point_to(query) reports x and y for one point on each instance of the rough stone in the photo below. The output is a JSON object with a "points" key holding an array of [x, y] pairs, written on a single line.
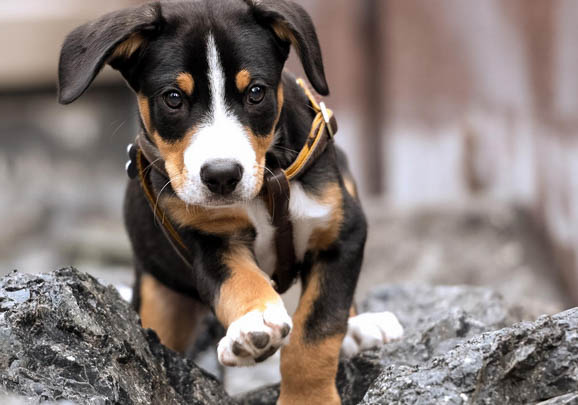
{"points": [[64, 336], [435, 319], [529, 362]]}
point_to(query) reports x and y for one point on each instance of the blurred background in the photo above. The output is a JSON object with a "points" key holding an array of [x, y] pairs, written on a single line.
{"points": [[459, 118]]}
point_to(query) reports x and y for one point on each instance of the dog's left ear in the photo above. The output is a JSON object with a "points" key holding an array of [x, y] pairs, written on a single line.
{"points": [[291, 24], [114, 39]]}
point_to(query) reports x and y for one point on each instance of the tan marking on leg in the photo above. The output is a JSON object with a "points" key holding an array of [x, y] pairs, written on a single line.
{"points": [[171, 315], [242, 80], [350, 186], [128, 47], [145, 112], [323, 238], [247, 289], [352, 311], [186, 83], [219, 221], [308, 369]]}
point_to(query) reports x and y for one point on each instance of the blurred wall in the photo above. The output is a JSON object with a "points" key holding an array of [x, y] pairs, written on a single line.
{"points": [[482, 98], [437, 101]]}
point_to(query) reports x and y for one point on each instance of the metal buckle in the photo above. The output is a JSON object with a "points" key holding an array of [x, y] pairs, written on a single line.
{"points": [[326, 118], [131, 167]]}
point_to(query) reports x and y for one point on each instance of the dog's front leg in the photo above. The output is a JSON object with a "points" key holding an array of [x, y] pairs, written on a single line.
{"points": [[309, 361], [253, 313]]}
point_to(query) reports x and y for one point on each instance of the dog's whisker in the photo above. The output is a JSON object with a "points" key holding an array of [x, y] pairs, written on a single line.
{"points": [[159, 196], [286, 149], [150, 165], [118, 128]]}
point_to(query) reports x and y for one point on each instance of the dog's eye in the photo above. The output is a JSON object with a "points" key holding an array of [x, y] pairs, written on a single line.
{"points": [[256, 94], [173, 99]]}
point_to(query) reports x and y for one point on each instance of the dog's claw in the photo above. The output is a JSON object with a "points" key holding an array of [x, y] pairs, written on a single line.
{"points": [[285, 330]]}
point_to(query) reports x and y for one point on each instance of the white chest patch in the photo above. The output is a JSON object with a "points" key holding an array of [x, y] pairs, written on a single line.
{"points": [[307, 215], [265, 241]]}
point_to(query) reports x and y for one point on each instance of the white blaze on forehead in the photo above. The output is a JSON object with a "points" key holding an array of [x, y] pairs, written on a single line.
{"points": [[219, 137], [216, 79]]}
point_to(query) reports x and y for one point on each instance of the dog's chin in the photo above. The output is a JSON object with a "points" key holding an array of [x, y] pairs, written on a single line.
{"points": [[202, 197], [217, 201], [221, 202]]}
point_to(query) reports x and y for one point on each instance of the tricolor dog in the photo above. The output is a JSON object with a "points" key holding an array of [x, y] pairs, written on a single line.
{"points": [[230, 188]]}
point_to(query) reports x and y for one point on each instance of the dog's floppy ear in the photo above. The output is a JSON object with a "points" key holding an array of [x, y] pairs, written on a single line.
{"points": [[292, 24], [113, 38]]}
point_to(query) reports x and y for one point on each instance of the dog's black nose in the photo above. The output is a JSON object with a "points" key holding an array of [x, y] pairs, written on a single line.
{"points": [[222, 176]]}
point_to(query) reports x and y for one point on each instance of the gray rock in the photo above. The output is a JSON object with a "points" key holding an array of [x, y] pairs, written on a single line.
{"points": [[527, 363], [64, 336], [436, 319], [568, 399]]}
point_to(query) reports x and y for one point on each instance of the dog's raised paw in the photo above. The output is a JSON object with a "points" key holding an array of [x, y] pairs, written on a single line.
{"points": [[370, 330], [255, 337]]}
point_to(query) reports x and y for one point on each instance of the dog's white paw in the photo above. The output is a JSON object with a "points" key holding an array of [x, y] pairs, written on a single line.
{"points": [[255, 337], [370, 330]]}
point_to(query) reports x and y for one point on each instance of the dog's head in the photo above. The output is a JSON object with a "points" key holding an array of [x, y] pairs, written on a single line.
{"points": [[207, 75]]}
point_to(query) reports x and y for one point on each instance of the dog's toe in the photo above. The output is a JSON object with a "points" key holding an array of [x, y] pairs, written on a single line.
{"points": [[370, 330], [255, 337]]}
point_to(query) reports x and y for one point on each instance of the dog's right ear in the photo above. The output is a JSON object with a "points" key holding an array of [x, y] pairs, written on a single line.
{"points": [[113, 38]]}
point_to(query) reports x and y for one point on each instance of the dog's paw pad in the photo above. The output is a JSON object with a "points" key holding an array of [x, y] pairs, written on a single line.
{"points": [[370, 330], [259, 339], [255, 337]]}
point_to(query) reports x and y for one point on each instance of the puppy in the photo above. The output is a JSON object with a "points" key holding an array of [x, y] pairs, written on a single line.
{"points": [[219, 117]]}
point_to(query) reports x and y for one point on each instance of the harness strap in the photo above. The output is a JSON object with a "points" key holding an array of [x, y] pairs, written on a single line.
{"points": [[143, 167], [277, 193], [323, 130], [151, 153]]}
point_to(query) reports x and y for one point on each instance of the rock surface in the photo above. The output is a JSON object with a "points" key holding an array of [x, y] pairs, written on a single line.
{"points": [[63, 336], [435, 319], [531, 362]]}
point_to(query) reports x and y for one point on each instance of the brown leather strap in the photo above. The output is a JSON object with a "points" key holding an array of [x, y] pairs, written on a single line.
{"points": [[323, 129], [151, 153], [171, 235], [167, 227], [278, 195]]}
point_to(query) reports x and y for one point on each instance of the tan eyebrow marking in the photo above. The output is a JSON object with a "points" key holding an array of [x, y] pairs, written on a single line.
{"points": [[242, 80], [186, 83]]}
